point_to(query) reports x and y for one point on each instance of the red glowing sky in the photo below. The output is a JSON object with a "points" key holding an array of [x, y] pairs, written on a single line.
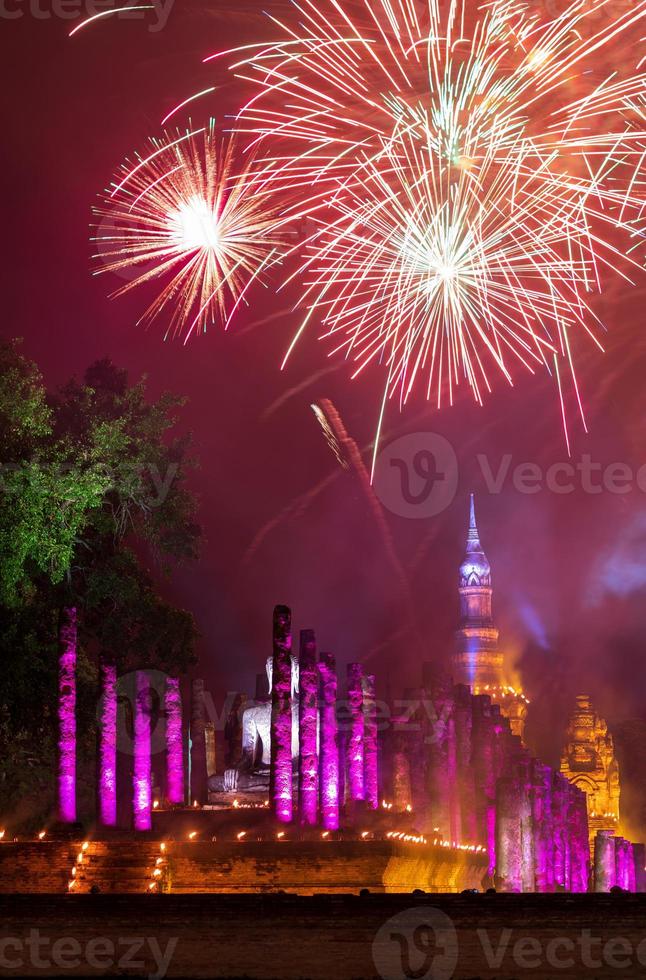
{"points": [[569, 569]]}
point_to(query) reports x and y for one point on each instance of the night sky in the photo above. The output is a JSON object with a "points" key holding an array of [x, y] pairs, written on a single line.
{"points": [[569, 569]]}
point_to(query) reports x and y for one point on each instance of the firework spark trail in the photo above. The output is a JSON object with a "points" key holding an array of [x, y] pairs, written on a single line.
{"points": [[183, 215], [470, 175]]}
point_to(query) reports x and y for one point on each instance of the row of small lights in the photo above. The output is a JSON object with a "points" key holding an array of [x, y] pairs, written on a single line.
{"points": [[40, 836], [609, 814], [502, 692], [77, 863], [157, 870], [367, 835]]}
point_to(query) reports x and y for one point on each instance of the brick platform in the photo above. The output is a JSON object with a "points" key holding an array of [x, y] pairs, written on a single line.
{"points": [[274, 937], [229, 867]]}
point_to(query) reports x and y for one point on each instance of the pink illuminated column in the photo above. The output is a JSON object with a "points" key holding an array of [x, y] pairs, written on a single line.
{"points": [[141, 780], [308, 721], [329, 749], [67, 636], [281, 716], [174, 741], [605, 874], [354, 741], [370, 764], [198, 739], [108, 745]]}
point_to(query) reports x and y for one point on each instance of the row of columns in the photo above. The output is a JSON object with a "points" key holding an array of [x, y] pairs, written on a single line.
{"points": [[319, 762], [455, 760], [618, 863]]}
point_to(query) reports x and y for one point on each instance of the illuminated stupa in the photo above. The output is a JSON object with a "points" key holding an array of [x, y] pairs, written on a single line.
{"points": [[478, 661], [589, 761]]}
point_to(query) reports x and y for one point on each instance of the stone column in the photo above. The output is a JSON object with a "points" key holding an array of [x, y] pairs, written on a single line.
{"points": [[639, 859], [329, 749], [401, 780], [543, 829], [107, 749], [528, 851], [67, 639], [441, 756], [354, 743], [308, 723], [370, 750], [581, 861], [174, 742], [281, 788], [466, 790], [559, 823], [198, 740], [485, 776], [605, 873], [509, 853], [630, 865], [141, 780], [620, 863]]}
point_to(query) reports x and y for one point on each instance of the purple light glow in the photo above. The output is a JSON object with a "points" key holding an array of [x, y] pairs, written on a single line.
{"points": [[67, 635], [281, 716], [108, 746], [308, 722], [329, 751], [174, 744], [354, 760], [142, 790], [370, 757]]}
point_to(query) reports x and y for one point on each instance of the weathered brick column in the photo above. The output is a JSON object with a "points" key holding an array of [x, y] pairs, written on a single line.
{"points": [[174, 741], [639, 857], [329, 748], [67, 640], [580, 876], [509, 853], [559, 824], [484, 759], [527, 832], [542, 819], [466, 790], [107, 747], [198, 740], [370, 750], [401, 781], [605, 873], [142, 774], [441, 754], [281, 788], [307, 732], [355, 739]]}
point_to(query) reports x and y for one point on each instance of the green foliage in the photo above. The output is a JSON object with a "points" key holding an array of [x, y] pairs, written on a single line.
{"points": [[95, 512]]}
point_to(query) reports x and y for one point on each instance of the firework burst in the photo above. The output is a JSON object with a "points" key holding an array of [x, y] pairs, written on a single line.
{"points": [[183, 215], [470, 175]]}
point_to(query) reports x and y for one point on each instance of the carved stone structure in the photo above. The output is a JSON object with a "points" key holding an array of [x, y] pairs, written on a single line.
{"points": [[478, 661], [589, 762]]}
